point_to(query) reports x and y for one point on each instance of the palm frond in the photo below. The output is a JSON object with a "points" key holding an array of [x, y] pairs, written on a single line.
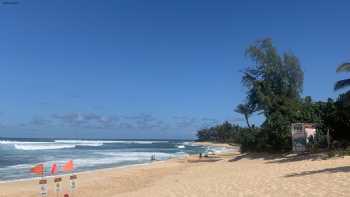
{"points": [[342, 84], [345, 67], [345, 99]]}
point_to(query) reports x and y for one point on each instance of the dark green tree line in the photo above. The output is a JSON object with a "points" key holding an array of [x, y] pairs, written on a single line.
{"points": [[274, 84]]}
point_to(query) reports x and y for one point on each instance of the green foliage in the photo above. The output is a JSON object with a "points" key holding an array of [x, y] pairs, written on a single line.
{"points": [[342, 84], [319, 141], [272, 79], [246, 110], [274, 83], [335, 116], [345, 67], [248, 139], [225, 133]]}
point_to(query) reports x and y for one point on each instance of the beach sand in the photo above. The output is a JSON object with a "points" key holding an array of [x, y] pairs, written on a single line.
{"points": [[230, 174]]}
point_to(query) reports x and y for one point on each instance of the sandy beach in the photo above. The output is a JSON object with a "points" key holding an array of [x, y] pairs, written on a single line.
{"points": [[229, 174]]}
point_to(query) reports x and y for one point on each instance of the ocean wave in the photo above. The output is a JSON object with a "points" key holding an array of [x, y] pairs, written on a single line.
{"points": [[191, 144], [217, 150], [105, 158], [135, 142], [41, 147], [64, 144], [119, 157], [110, 141], [102, 160], [25, 145], [9, 142], [80, 141], [181, 146]]}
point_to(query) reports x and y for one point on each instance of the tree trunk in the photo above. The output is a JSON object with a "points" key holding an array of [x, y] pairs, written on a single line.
{"points": [[328, 139], [247, 120]]}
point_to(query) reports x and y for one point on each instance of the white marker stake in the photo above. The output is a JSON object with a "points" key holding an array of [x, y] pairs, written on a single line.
{"points": [[58, 185], [73, 184], [43, 187]]}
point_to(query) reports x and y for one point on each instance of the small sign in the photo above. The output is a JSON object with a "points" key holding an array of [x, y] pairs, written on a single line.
{"points": [[73, 184], [73, 177], [58, 187], [58, 184], [41, 182], [43, 188]]}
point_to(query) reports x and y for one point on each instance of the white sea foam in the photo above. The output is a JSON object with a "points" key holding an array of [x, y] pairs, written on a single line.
{"points": [[81, 141], [115, 158], [191, 144], [84, 160], [138, 142], [181, 146], [42, 147], [63, 144], [109, 141], [106, 158], [25, 145], [217, 149], [6, 142]]}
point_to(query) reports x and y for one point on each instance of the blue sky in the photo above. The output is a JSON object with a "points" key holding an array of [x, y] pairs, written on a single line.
{"points": [[151, 68]]}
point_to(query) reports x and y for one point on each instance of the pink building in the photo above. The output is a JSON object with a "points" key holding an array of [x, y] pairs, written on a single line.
{"points": [[300, 135]]}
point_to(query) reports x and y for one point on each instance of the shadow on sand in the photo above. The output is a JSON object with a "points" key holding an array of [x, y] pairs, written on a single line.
{"points": [[327, 170], [281, 158], [286, 158], [205, 160], [264, 156]]}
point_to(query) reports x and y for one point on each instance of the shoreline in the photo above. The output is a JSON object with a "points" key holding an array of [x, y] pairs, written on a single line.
{"points": [[208, 144], [81, 172], [228, 174], [216, 144]]}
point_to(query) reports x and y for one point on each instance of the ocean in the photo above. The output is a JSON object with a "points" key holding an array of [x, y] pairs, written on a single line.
{"points": [[18, 156]]}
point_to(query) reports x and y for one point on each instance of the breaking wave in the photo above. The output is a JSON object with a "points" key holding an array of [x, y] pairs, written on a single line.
{"points": [[41, 147], [64, 144], [19, 155]]}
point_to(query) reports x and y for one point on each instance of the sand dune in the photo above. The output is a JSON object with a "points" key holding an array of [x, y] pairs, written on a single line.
{"points": [[229, 175]]}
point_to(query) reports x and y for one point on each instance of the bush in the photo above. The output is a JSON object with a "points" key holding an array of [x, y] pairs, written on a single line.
{"points": [[248, 139]]}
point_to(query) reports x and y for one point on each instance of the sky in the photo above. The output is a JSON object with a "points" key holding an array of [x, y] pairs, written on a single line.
{"points": [[151, 68]]}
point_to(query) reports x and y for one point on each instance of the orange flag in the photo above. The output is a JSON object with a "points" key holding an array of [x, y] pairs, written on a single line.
{"points": [[53, 169], [68, 167], [38, 169]]}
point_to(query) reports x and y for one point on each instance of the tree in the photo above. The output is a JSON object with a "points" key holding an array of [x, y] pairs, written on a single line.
{"points": [[272, 78], [225, 132], [274, 83], [343, 83], [246, 111]]}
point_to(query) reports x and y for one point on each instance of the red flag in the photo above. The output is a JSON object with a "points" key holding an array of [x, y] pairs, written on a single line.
{"points": [[68, 167], [53, 169], [38, 169]]}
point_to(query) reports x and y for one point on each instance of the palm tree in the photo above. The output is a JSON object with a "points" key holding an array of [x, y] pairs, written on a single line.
{"points": [[343, 83], [246, 111]]}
